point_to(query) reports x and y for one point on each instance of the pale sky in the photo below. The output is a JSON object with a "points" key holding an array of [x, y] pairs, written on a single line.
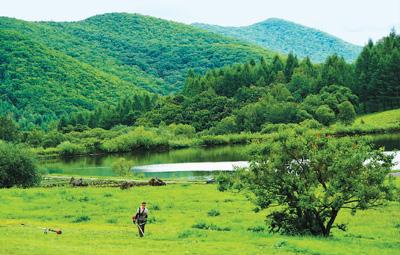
{"points": [[352, 20]]}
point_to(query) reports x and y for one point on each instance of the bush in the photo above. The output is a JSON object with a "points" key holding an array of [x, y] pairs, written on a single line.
{"points": [[311, 123], [82, 218], [325, 115], [347, 114], [213, 213], [68, 149], [202, 225], [139, 138], [122, 167], [191, 233], [17, 167]]}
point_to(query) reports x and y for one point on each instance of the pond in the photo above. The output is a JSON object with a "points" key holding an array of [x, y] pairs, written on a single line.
{"points": [[101, 165], [185, 163]]}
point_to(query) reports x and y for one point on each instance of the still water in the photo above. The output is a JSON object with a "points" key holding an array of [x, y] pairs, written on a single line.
{"points": [[102, 165], [186, 163]]}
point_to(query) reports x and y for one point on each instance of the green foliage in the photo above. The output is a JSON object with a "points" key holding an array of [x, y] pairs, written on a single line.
{"points": [[377, 84], [203, 225], [312, 177], [69, 149], [41, 84], [82, 218], [285, 37], [138, 138], [8, 129], [49, 69], [122, 167], [336, 71], [213, 213], [325, 115], [17, 167], [347, 114]]}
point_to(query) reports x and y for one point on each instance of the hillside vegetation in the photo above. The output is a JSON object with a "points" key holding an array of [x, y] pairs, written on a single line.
{"points": [[390, 117], [285, 37], [48, 69]]}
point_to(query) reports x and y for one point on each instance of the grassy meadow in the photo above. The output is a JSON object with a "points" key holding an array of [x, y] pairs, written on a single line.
{"points": [[98, 221], [380, 118]]}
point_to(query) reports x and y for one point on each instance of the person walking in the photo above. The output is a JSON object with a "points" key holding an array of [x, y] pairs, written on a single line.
{"points": [[140, 218]]}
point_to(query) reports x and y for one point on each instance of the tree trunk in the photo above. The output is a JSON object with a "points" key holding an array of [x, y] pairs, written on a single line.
{"points": [[334, 213]]}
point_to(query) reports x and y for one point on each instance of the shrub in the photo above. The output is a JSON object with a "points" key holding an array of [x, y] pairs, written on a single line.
{"points": [[122, 167], [82, 218], [191, 233], [311, 123], [347, 114], [213, 213], [68, 149], [325, 115], [17, 167], [202, 225], [139, 138]]}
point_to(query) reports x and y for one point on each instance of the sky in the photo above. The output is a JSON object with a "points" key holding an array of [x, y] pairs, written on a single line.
{"points": [[355, 21]]}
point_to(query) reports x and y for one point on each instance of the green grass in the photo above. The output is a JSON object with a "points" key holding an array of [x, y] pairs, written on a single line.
{"points": [[98, 221], [390, 117], [387, 122]]}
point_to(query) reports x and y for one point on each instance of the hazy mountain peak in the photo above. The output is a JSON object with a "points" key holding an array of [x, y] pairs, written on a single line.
{"points": [[287, 36]]}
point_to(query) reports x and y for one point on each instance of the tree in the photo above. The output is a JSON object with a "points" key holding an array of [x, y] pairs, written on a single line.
{"points": [[335, 70], [325, 115], [377, 74], [8, 129], [291, 64], [17, 167], [312, 177], [122, 167], [347, 114]]}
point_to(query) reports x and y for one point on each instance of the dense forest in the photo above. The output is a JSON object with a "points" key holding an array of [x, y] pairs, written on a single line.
{"points": [[285, 37], [50, 94], [254, 97], [48, 69], [250, 96]]}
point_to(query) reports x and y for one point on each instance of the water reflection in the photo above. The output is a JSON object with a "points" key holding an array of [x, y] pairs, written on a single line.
{"points": [[102, 165]]}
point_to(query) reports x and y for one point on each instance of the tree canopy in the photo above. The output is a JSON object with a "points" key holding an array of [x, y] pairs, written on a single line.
{"points": [[311, 177]]}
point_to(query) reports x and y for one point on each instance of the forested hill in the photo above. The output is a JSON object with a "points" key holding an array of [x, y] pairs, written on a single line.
{"points": [[285, 37], [48, 69]]}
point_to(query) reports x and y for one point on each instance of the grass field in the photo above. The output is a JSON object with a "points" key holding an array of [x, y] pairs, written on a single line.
{"points": [[380, 119], [98, 221]]}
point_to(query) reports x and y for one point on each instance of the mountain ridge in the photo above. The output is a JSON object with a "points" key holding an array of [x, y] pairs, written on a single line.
{"points": [[286, 36], [118, 54]]}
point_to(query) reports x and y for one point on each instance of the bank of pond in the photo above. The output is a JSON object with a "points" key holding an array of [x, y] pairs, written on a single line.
{"points": [[191, 163]]}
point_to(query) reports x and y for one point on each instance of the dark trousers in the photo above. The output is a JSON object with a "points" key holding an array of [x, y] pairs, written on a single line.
{"points": [[141, 228]]}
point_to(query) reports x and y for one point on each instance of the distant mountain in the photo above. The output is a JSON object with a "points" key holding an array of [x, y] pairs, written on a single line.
{"points": [[51, 68], [284, 36]]}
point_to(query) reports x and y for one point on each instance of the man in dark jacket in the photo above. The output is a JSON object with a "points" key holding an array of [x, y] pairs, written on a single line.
{"points": [[140, 218]]}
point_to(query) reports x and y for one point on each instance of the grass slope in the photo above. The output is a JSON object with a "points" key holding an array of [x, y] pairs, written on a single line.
{"points": [[391, 117], [97, 221], [284, 36]]}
